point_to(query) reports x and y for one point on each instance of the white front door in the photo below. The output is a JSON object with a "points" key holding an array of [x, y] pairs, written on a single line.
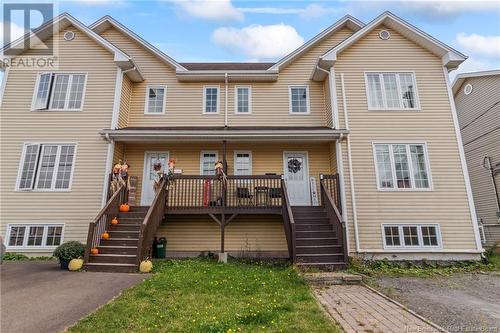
{"points": [[150, 158], [297, 178]]}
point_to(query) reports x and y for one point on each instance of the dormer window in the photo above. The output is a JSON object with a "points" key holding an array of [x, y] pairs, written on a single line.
{"points": [[391, 91], [59, 92]]}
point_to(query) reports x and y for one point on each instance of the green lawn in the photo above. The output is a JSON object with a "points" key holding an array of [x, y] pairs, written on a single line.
{"points": [[201, 295]]}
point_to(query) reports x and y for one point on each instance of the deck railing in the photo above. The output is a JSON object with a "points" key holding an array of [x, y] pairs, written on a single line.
{"points": [[332, 185], [152, 221], [289, 222], [103, 219], [209, 192], [333, 212]]}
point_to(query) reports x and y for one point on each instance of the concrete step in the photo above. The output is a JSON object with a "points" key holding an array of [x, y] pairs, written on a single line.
{"points": [[325, 266], [320, 258], [329, 278], [111, 268], [118, 250], [113, 258]]}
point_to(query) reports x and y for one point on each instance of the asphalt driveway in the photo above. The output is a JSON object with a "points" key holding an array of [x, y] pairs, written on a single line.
{"points": [[40, 297]]}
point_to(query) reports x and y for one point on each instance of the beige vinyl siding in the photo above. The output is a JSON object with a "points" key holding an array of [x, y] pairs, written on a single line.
{"points": [[79, 206], [478, 114], [270, 100], [126, 95], [246, 233], [266, 158], [447, 203], [328, 104], [119, 152]]}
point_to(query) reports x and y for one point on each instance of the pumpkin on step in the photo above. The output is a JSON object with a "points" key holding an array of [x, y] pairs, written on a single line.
{"points": [[124, 208], [75, 264], [114, 221], [105, 235], [145, 266], [94, 251]]}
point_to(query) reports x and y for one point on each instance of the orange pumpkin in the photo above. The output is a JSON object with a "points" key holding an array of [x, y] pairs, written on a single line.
{"points": [[105, 235], [124, 208], [114, 221], [94, 251]]}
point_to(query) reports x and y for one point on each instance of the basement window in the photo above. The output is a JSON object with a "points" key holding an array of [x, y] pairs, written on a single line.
{"points": [[411, 236], [59, 92], [34, 235]]}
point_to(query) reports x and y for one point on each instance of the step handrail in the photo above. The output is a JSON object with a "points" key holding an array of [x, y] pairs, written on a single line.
{"points": [[289, 222], [152, 221], [334, 216], [102, 221]]}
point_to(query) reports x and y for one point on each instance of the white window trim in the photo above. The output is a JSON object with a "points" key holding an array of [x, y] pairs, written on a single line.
{"points": [[249, 152], [236, 100], [410, 167], [146, 102], [205, 99], [49, 109], [367, 91], [308, 100], [410, 248], [201, 158], [25, 238], [34, 184]]}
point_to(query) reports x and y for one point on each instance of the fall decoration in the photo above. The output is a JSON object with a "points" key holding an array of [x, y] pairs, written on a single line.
{"points": [[114, 221], [146, 266], [105, 235], [75, 264], [124, 208], [94, 251]]}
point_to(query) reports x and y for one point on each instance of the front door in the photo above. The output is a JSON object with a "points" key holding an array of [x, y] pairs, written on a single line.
{"points": [[297, 178], [150, 158]]}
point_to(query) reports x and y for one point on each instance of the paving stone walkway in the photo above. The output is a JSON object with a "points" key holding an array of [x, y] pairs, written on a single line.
{"points": [[359, 309]]}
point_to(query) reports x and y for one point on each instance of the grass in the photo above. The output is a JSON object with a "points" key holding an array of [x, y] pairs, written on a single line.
{"points": [[201, 295], [424, 269]]}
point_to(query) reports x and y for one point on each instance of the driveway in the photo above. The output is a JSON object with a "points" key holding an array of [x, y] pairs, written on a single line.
{"points": [[40, 297]]}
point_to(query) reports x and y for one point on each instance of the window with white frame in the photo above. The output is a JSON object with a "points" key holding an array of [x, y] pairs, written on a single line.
{"points": [[242, 163], [411, 236], [387, 91], [243, 100], [46, 167], [36, 235], [299, 99], [155, 100], [211, 100], [402, 166], [207, 163], [59, 92]]}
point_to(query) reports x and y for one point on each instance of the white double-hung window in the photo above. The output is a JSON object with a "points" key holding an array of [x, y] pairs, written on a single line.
{"points": [[34, 235], [299, 99], [391, 91], [46, 167], [155, 99], [242, 100], [411, 236], [402, 166], [211, 99], [59, 92]]}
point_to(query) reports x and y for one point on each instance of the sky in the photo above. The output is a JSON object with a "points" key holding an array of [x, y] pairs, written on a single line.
{"points": [[231, 30]]}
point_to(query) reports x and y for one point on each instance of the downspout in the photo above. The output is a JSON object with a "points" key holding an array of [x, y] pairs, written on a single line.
{"points": [[226, 78], [351, 174]]}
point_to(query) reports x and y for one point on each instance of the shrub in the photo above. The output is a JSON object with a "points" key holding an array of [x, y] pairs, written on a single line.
{"points": [[69, 250], [12, 256]]}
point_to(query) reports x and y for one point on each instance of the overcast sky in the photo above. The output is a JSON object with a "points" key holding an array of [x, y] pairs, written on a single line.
{"points": [[225, 30]]}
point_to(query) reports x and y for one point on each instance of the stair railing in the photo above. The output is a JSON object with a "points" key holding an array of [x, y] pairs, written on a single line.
{"points": [[152, 221], [289, 222], [103, 219], [333, 213]]}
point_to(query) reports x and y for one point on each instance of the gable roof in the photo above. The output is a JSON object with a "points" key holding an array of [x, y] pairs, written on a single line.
{"points": [[226, 66], [451, 58], [460, 78], [346, 21], [107, 21]]}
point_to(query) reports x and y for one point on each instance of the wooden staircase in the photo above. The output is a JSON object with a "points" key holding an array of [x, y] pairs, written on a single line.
{"points": [[119, 252], [317, 243]]}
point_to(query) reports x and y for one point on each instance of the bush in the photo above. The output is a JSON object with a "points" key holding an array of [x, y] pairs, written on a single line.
{"points": [[69, 250], [12, 256]]}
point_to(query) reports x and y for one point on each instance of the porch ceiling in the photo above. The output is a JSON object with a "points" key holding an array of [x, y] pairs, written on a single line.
{"points": [[204, 134]]}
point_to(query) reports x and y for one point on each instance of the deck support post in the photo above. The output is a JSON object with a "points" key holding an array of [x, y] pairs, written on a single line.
{"points": [[222, 254]]}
